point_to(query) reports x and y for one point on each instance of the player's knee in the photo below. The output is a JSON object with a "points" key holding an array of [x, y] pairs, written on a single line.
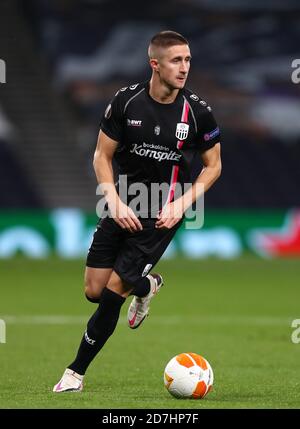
{"points": [[92, 298], [92, 291]]}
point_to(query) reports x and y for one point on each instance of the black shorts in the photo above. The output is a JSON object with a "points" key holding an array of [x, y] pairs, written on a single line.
{"points": [[131, 255]]}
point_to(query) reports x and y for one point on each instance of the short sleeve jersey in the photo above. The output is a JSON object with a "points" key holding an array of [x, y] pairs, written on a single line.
{"points": [[158, 143]]}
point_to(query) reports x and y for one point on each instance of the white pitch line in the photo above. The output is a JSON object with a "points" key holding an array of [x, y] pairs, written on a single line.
{"points": [[44, 320], [160, 320]]}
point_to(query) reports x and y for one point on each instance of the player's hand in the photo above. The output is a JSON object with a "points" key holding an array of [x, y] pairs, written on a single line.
{"points": [[125, 217], [170, 215]]}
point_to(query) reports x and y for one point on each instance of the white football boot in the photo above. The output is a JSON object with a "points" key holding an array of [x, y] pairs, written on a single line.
{"points": [[139, 307], [70, 382]]}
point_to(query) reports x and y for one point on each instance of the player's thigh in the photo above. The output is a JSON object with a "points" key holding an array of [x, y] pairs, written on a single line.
{"points": [[95, 280], [105, 245], [101, 256], [141, 252]]}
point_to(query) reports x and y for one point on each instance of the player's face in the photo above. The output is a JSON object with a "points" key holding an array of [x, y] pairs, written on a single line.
{"points": [[174, 66]]}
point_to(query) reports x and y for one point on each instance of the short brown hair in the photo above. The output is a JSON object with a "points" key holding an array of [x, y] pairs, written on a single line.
{"points": [[165, 39]]}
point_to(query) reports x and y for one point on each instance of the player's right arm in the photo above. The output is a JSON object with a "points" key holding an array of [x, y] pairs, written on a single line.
{"points": [[120, 212]]}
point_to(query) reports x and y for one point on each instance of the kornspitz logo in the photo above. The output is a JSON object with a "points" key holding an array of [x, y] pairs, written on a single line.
{"points": [[2, 71], [150, 151], [2, 331]]}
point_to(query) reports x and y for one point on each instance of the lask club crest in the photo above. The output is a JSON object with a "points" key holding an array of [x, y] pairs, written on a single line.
{"points": [[182, 131]]}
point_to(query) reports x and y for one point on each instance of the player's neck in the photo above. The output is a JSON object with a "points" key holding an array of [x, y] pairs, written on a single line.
{"points": [[161, 93]]}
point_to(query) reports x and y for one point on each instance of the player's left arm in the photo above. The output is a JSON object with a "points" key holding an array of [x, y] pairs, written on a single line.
{"points": [[212, 166]]}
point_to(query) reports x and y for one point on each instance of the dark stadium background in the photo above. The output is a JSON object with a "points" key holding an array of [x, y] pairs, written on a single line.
{"points": [[64, 60]]}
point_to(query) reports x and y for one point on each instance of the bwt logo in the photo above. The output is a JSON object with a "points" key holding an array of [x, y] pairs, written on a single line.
{"points": [[2, 331], [2, 71]]}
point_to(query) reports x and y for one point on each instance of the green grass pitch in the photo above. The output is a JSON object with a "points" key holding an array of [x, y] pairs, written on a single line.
{"points": [[237, 314]]}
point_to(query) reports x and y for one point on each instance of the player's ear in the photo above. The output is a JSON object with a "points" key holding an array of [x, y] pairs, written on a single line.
{"points": [[154, 64]]}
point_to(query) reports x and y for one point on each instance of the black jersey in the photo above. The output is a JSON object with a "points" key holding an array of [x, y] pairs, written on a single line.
{"points": [[158, 142]]}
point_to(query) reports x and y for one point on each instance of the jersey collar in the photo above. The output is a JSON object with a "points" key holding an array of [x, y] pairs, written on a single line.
{"points": [[147, 89]]}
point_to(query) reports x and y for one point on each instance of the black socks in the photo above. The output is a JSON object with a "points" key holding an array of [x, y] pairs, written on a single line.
{"points": [[99, 328], [142, 288], [93, 300]]}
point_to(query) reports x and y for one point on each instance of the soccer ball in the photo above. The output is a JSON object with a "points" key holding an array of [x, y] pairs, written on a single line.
{"points": [[188, 375]]}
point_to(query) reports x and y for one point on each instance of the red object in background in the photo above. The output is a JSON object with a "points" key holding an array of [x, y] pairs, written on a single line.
{"points": [[284, 242]]}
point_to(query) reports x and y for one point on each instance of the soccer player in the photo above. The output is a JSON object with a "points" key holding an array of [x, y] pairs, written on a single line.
{"points": [[154, 131]]}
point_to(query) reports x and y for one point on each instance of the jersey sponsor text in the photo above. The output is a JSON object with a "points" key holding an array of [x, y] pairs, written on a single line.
{"points": [[152, 153]]}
